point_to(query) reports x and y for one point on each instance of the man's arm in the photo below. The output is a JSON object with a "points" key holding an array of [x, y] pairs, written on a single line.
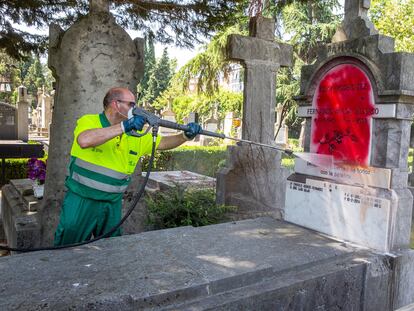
{"points": [[96, 137], [171, 141]]}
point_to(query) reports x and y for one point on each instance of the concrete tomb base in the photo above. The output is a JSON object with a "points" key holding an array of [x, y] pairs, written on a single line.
{"points": [[19, 214], [260, 264]]}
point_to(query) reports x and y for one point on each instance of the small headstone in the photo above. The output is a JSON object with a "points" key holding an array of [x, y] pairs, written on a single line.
{"points": [[8, 122], [228, 124], [22, 115], [302, 135], [168, 115], [193, 117], [211, 124], [281, 129]]}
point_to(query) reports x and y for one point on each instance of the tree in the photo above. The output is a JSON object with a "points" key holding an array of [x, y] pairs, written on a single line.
{"points": [[9, 74], [208, 66], [150, 61], [184, 23], [35, 78], [309, 24], [395, 18], [160, 77]]}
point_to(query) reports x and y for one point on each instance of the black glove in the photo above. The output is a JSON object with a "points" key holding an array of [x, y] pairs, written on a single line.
{"points": [[134, 123], [193, 131]]}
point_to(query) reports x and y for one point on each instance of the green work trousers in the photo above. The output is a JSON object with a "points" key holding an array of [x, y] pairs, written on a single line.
{"points": [[80, 218]]}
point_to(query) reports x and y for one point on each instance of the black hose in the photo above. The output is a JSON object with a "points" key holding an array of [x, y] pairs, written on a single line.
{"points": [[137, 197]]}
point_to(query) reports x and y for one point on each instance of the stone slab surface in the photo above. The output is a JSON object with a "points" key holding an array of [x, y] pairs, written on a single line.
{"points": [[169, 179], [192, 268]]}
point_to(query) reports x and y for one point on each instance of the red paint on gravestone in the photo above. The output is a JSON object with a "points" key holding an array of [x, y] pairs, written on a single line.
{"points": [[342, 110]]}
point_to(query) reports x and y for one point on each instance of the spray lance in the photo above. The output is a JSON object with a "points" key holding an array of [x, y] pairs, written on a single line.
{"points": [[154, 122]]}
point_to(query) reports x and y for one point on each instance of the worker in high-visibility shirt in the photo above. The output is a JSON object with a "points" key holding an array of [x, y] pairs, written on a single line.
{"points": [[103, 157]]}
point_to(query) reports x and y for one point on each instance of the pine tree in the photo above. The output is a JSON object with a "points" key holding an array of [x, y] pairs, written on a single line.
{"points": [[35, 78], [160, 78], [150, 61]]}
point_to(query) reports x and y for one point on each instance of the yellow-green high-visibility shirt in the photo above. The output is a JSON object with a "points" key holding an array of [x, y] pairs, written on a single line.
{"points": [[103, 172]]}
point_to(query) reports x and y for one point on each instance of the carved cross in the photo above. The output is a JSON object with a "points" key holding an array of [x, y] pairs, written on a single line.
{"points": [[356, 8], [261, 57]]}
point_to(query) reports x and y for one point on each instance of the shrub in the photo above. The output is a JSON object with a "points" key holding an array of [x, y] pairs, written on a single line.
{"points": [[179, 206]]}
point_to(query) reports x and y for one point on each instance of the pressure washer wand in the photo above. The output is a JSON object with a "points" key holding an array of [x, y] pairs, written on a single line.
{"points": [[287, 151], [154, 120]]}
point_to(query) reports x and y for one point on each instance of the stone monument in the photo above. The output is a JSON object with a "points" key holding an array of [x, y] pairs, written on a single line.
{"points": [[358, 101], [22, 114], [91, 56], [281, 129], [8, 122], [169, 115], [253, 173]]}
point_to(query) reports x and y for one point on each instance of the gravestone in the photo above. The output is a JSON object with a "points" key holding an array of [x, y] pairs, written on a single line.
{"points": [[302, 134], [211, 124], [87, 59], [281, 128], [358, 101], [169, 115], [22, 114], [8, 124], [252, 173], [44, 108]]}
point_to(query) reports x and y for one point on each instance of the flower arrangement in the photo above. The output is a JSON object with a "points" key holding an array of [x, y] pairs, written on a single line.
{"points": [[37, 171]]}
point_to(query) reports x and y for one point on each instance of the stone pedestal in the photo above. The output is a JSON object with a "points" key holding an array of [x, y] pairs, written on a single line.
{"points": [[253, 180], [19, 214], [23, 120]]}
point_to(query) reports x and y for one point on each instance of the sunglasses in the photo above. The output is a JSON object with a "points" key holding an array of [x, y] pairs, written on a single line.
{"points": [[130, 104]]}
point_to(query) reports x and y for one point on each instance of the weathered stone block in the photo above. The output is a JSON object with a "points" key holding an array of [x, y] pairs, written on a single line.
{"points": [[253, 180]]}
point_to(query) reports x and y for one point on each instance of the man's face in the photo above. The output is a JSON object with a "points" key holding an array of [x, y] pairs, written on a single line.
{"points": [[124, 103]]}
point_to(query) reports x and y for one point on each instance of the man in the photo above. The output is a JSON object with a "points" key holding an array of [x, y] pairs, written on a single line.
{"points": [[103, 157]]}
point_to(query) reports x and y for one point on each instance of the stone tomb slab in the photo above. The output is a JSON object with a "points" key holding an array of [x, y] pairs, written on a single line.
{"points": [[260, 264], [168, 179]]}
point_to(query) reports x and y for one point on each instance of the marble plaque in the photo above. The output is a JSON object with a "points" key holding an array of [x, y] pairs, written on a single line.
{"points": [[354, 175], [345, 212]]}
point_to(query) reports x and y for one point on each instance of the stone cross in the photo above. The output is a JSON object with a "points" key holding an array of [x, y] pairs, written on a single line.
{"points": [[356, 8], [356, 22], [261, 57]]}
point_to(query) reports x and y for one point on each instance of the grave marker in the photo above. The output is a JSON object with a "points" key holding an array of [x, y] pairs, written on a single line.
{"points": [[252, 173], [8, 124], [85, 67], [354, 114]]}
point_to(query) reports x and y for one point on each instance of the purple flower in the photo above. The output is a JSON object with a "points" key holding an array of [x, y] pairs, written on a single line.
{"points": [[36, 170]]}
